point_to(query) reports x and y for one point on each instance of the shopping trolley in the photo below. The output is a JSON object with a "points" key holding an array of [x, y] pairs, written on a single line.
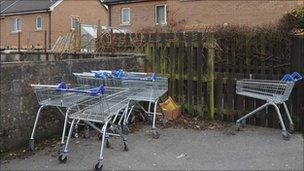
{"points": [[146, 87], [49, 95], [274, 92], [106, 109]]}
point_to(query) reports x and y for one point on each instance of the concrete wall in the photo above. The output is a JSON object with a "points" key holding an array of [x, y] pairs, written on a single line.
{"points": [[18, 102]]}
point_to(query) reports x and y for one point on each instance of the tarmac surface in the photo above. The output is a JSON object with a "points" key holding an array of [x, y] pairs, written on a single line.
{"points": [[253, 148]]}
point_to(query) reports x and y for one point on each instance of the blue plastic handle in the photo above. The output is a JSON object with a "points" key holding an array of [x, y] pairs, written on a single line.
{"points": [[296, 76], [287, 77], [93, 91]]}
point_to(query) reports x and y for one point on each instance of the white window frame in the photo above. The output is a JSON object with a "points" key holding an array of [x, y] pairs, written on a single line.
{"points": [[72, 27], [36, 23], [128, 22], [164, 5], [14, 26]]}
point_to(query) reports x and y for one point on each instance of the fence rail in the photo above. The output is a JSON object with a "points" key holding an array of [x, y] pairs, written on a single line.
{"points": [[203, 69]]}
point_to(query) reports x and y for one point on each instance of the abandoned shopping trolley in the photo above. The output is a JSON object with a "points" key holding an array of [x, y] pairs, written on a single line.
{"points": [[274, 92], [145, 87], [106, 108], [48, 95]]}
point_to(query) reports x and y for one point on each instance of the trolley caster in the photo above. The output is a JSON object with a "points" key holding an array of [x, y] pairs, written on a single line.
{"points": [[155, 134], [285, 135], [98, 166], [165, 121], [150, 118], [62, 158], [108, 145], [32, 145], [61, 148], [238, 126], [75, 135], [125, 129], [126, 146], [291, 128], [86, 132]]}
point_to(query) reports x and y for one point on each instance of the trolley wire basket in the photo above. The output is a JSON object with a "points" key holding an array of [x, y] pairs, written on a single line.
{"points": [[274, 92]]}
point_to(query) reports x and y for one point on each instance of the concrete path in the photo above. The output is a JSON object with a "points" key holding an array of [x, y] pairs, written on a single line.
{"points": [[254, 148]]}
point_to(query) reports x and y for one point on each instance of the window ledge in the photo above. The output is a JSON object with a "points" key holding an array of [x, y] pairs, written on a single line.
{"points": [[15, 32], [125, 24], [38, 30], [161, 24]]}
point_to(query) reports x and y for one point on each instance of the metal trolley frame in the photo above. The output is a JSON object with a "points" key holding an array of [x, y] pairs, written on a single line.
{"points": [[274, 92]]}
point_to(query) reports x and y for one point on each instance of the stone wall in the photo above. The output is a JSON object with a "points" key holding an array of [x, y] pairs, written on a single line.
{"points": [[18, 102]]}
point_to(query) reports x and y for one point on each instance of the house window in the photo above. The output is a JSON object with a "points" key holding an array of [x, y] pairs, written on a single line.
{"points": [[16, 26], [74, 22], [38, 23], [161, 14], [125, 16]]}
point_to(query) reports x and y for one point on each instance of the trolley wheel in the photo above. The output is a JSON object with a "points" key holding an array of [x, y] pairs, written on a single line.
{"points": [[291, 128], [61, 148], [285, 135], [32, 145], [125, 129], [132, 119], [62, 158], [98, 166], [165, 121], [126, 146], [155, 134], [108, 145], [150, 118], [86, 133], [238, 125], [75, 135]]}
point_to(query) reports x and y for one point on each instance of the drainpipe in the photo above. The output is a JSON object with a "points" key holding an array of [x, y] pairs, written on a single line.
{"points": [[110, 15], [50, 29]]}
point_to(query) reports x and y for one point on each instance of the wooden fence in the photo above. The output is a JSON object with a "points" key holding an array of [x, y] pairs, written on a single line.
{"points": [[203, 70]]}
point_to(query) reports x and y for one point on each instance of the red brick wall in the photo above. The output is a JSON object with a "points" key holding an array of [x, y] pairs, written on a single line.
{"points": [[206, 12], [89, 12], [142, 15], [29, 35]]}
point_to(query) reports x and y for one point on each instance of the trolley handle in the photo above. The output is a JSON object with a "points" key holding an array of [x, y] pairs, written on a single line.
{"points": [[93, 91], [296, 76], [288, 77]]}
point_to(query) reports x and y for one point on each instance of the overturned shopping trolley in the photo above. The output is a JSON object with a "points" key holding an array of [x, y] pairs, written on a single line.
{"points": [[273, 92], [146, 87], [106, 108], [49, 95]]}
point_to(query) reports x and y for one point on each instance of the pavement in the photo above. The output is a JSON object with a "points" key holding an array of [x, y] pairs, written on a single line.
{"points": [[253, 148]]}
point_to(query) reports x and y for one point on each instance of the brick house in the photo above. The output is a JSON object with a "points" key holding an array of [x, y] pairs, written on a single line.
{"points": [[37, 19], [138, 14]]}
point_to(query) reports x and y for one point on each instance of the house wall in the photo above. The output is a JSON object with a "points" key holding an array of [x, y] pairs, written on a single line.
{"points": [[29, 35], [254, 12], [89, 12], [197, 14], [142, 15]]}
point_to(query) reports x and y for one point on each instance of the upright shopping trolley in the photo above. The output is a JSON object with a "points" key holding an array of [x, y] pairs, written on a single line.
{"points": [[274, 92], [103, 108], [49, 95]]}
